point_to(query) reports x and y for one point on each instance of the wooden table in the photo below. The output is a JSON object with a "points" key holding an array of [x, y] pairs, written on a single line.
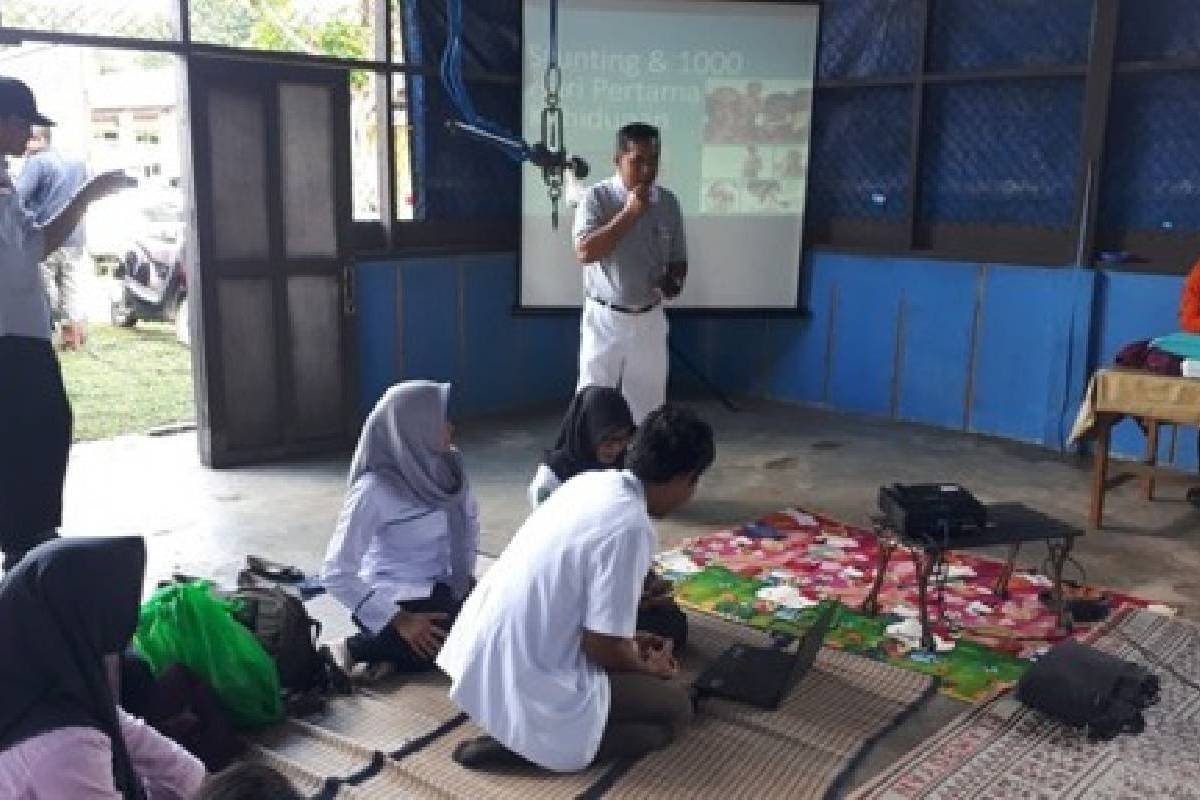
{"points": [[1155, 400]]}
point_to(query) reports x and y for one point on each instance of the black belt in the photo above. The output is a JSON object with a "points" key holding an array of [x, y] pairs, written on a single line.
{"points": [[624, 309]]}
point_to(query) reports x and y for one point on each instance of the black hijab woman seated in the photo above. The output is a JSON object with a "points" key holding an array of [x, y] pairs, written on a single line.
{"points": [[66, 612], [593, 435]]}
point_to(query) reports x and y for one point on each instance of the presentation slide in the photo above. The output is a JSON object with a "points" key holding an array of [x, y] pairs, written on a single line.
{"points": [[729, 85]]}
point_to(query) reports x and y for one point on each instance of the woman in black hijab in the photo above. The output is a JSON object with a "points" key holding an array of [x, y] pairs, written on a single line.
{"points": [[593, 435], [66, 613]]}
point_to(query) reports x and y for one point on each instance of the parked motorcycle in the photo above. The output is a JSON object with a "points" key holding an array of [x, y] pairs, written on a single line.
{"points": [[150, 280]]}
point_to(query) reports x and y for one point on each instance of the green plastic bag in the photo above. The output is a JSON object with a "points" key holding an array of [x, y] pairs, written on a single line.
{"points": [[185, 624]]}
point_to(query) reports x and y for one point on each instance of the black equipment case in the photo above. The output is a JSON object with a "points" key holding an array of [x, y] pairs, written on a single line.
{"points": [[931, 510]]}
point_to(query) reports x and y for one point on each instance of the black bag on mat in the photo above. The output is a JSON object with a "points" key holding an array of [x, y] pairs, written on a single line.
{"points": [[282, 625], [1083, 687]]}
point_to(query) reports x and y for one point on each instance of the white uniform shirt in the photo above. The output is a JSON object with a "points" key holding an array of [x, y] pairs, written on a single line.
{"points": [[386, 550], [542, 486], [24, 309], [515, 652]]}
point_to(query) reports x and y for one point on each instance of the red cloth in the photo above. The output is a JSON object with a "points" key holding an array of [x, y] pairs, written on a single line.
{"points": [[1189, 304]]}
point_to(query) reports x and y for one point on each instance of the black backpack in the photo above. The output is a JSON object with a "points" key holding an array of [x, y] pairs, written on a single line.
{"points": [[1086, 688], [285, 630]]}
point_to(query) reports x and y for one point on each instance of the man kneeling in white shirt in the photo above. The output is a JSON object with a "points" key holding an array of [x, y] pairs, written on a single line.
{"points": [[545, 655]]}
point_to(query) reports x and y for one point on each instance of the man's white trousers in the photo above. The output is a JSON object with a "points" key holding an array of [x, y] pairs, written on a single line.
{"points": [[625, 350]]}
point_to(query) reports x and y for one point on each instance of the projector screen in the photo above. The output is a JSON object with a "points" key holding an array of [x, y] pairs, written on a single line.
{"points": [[729, 85]]}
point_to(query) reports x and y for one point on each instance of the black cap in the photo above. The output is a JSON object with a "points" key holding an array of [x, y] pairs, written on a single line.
{"points": [[16, 100]]}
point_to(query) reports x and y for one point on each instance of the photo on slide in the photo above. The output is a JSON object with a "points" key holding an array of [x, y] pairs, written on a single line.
{"points": [[751, 179], [771, 196], [720, 196], [752, 111], [789, 162]]}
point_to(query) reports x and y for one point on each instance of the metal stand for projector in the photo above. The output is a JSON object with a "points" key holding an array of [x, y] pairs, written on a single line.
{"points": [[704, 379]]}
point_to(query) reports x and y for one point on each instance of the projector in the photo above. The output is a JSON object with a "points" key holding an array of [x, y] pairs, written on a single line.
{"points": [[936, 511]]}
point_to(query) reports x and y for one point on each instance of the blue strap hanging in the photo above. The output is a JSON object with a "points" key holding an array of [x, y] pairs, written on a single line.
{"points": [[550, 153], [456, 89]]}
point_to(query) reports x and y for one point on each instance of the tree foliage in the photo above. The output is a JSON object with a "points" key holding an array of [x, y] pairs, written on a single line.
{"points": [[276, 25]]}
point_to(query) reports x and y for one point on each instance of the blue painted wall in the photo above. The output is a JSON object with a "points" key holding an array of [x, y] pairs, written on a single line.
{"points": [[993, 349], [450, 318], [1001, 350]]}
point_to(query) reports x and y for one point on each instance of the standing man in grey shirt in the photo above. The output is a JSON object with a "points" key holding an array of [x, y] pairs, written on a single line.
{"points": [[49, 180], [629, 237]]}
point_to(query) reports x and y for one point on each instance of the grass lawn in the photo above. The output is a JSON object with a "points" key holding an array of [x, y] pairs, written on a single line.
{"points": [[128, 380]]}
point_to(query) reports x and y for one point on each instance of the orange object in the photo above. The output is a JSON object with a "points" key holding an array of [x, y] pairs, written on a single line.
{"points": [[1189, 304]]}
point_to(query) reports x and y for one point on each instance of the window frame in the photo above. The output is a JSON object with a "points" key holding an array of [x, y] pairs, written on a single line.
{"points": [[385, 237], [1078, 245], [1081, 244]]}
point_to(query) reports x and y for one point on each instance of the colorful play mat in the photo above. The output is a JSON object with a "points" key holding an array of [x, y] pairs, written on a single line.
{"points": [[770, 573]]}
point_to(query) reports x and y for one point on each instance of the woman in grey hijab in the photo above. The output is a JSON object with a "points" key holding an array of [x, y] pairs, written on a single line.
{"points": [[403, 553]]}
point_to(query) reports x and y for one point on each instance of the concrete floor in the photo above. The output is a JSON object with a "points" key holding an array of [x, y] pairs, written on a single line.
{"points": [[769, 455]]}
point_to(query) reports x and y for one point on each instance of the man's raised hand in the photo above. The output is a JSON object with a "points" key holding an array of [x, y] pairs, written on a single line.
{"points": [[638, 200]]}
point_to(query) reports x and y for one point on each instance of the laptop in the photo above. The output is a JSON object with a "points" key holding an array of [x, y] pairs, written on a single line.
{"points": [[762, 676]]}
